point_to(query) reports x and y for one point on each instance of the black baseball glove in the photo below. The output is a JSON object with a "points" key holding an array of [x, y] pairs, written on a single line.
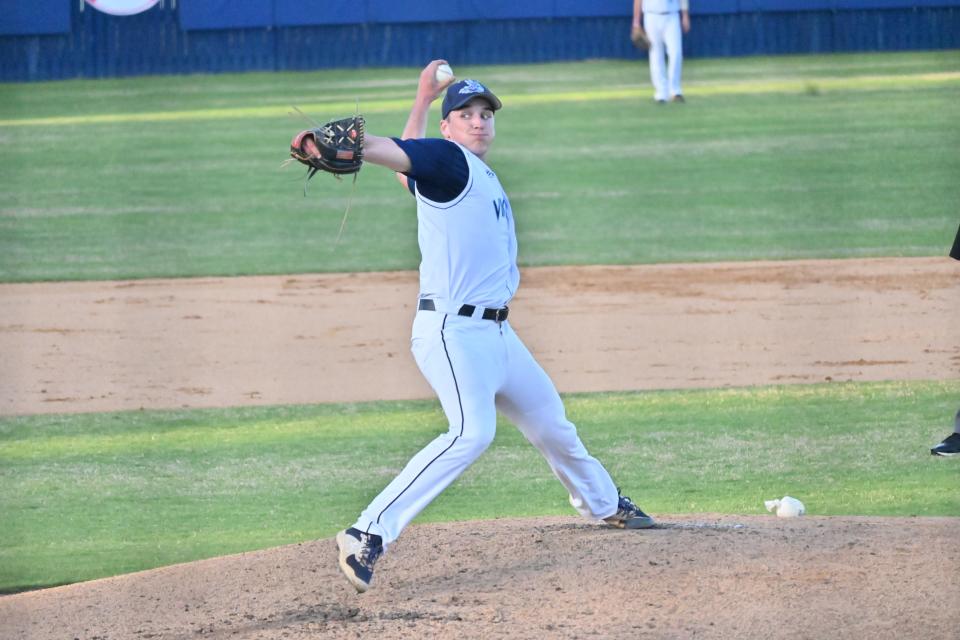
{"points": [[336, 147]]}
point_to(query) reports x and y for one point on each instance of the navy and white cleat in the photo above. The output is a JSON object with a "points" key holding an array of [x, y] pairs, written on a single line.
{"points": [[949, 447], [359, 551], [629, 516]]}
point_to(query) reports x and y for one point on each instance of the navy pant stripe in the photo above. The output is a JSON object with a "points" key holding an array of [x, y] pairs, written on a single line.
{"points": [[459, 402]]}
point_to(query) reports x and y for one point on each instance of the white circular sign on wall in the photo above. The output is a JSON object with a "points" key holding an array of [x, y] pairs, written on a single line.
{"points": [[122, 7]]}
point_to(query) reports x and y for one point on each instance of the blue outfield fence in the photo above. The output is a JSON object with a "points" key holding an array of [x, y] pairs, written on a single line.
{"points": [[59, 40]]}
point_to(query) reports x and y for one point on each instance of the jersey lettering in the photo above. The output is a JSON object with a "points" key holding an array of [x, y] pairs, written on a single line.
{"points": [[502, 206]]}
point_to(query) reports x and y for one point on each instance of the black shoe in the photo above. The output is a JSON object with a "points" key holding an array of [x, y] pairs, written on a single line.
{"points": [[359, 551], [629, 516], [949, 447], [678, 98]]}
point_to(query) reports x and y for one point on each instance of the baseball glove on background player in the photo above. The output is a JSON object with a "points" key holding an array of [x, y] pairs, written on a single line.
{"points": [[336, 147], [639, 38]]}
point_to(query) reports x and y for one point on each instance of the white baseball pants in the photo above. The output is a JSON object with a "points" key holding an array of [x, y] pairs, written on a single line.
{"points": [[665, 35], [477, 367]]}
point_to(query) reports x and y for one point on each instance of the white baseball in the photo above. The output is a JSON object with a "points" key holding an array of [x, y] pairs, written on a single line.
{"points": [[786, 507], [443, 74], [790, 508]]}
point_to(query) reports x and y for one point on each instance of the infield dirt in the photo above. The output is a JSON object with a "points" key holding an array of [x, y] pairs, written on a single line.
{"points": [[97, 346], [217, 342]]}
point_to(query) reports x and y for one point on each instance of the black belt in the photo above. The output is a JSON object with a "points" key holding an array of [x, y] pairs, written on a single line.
{"points": [[467, 310]]}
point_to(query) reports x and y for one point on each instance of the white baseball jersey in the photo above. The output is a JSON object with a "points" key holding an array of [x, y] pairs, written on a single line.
{"points": [[468, 247], [661, 6]]}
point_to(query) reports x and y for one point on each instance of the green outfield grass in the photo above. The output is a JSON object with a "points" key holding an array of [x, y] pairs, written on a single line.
{"points": [[94, 495], [789, 157]]}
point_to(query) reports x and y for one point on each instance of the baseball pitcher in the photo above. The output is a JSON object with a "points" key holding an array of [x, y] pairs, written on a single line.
{"points": [[462, 339]]}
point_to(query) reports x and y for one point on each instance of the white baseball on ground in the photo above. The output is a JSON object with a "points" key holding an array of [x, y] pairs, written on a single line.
{"points": [[443, 74], [786, 507]]}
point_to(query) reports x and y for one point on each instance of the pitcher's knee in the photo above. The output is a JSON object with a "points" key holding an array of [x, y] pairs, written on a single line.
{"points": [[473, 442]]}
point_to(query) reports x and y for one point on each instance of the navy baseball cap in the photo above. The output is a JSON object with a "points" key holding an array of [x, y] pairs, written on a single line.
{"points": [[460, 93]]}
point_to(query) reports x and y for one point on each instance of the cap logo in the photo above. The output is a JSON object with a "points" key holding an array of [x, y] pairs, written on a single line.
{"points": [[472, 86]]}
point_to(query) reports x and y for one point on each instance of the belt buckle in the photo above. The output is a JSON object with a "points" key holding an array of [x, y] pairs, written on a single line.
{"points": [[501, 314]]}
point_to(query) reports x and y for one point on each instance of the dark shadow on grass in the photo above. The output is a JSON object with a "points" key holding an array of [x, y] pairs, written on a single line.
{"points": [[22, 588]]}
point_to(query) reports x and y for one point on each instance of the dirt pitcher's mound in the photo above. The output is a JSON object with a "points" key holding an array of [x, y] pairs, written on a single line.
{"points": [[693, 576]]}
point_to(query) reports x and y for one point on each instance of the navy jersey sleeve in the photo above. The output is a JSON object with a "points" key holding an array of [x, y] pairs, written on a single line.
{"points": [[438, 168]]}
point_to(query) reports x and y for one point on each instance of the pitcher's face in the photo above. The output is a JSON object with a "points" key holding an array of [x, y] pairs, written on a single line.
{"points": [[471, 126]]}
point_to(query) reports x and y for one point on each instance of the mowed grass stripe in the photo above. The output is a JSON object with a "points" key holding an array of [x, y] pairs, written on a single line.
{"points": [[856, 83]]}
